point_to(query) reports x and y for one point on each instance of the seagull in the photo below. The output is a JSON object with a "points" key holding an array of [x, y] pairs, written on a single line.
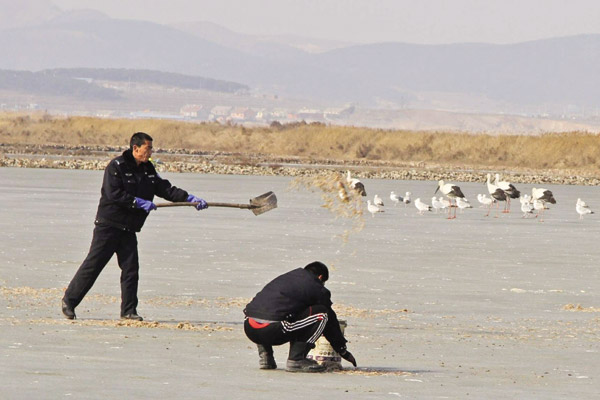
{"points": [[484, 200], [582, 208], [463, 203], [395, 198], [526, 208], [446, 203], [373, 209], [510, 191], [437, 204], [422, 207], [496, 193], [542, 196], [356, 184], [525, 199], [378, 201], [406, 199], [452, 192]]}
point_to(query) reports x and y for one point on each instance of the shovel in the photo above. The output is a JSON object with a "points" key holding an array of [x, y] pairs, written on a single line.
{"points": [[257, 205]]}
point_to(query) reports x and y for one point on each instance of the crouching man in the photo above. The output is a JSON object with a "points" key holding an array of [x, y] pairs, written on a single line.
{"points": [[295, 307]]}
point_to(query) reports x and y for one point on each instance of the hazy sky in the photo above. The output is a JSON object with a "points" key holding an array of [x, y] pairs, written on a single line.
{"points": [[367, 21]]}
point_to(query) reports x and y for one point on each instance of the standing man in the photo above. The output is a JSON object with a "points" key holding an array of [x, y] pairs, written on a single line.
{"points": [[295, 307], [128, 188]]}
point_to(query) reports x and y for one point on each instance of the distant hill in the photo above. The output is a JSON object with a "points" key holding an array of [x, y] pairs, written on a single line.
{"points": [[77, 82], [552, 76], [168, 79], [48, 83]]}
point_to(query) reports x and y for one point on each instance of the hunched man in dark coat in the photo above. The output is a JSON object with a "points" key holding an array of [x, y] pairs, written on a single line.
{"points": [[295, 307], [128, 188]]}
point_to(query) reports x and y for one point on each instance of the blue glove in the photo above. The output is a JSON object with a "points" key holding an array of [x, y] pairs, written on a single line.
{"points": [[201, 203], [146, 205]]}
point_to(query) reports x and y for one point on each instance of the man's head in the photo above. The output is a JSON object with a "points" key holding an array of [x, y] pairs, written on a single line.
{"points": [[319, 270], [141, 147]]}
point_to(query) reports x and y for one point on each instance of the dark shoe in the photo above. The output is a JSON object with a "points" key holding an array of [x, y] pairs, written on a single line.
{"points": [[68, 310], [266, 359], [132, 316], [305, 365]]}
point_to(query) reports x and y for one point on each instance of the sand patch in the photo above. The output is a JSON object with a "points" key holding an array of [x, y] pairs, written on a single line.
{"points": [[365, 313], [32, 298], [372, 371], [182, 326], [579, 308]]}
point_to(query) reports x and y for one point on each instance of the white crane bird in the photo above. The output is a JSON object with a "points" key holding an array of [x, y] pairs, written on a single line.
{"points": [[509, 189], [451, 191], [542, 196], [496, 193], [355, 184]]}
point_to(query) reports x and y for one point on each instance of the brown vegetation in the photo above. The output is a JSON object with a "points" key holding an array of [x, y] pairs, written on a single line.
{"points": [[576, 151]]}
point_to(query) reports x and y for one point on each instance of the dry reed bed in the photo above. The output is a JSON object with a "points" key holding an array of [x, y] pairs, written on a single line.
{"points": [[554, 158]]}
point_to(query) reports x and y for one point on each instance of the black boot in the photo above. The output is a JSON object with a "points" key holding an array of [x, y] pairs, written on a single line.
{"points": [[67, 310], [266, 360], [297, 361]]}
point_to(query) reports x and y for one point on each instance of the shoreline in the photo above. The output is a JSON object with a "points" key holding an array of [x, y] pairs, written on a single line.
{"points": [[205, 162]]}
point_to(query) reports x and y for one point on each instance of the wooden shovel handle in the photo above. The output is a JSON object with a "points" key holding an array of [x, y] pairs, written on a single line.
{"points": [[210, 204]]}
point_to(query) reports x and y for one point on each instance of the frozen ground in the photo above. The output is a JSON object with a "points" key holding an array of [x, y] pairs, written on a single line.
{"points": [[476, 307]]}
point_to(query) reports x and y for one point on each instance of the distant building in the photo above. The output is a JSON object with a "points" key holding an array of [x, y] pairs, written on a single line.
{"points": [[192, 111], [219, 113], [241, 114]]}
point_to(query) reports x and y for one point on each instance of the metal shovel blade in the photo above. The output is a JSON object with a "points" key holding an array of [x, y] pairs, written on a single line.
{"points": [[258, 205], [263, 203]]}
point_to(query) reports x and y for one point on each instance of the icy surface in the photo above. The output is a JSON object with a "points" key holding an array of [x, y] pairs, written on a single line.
{"points": [[477, 306]]}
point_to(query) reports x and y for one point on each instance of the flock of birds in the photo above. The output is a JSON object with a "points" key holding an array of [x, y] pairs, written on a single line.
{"points": [[498, 191]]}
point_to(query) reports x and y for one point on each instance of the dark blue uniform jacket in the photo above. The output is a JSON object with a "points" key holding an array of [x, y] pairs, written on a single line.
{"points": [[123, 182]]}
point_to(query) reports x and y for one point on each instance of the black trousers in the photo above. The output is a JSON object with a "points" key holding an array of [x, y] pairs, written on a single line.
{"points": [[106, 242], [306, 327]]}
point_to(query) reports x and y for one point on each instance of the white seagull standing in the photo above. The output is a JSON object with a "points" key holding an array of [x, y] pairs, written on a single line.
{"points": [[422, 207], [526, 205], [406, 199], [437, 204], [373, 209], [445, 202], [496, 193], [582, 208], [378, 201], [510, 191], [452, 192], [484, 200], [355, 184], [526, 208], [395, 198], [462, 203]]}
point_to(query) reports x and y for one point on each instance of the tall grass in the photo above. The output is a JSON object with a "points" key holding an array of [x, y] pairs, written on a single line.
{"points": [[578, 151]]}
